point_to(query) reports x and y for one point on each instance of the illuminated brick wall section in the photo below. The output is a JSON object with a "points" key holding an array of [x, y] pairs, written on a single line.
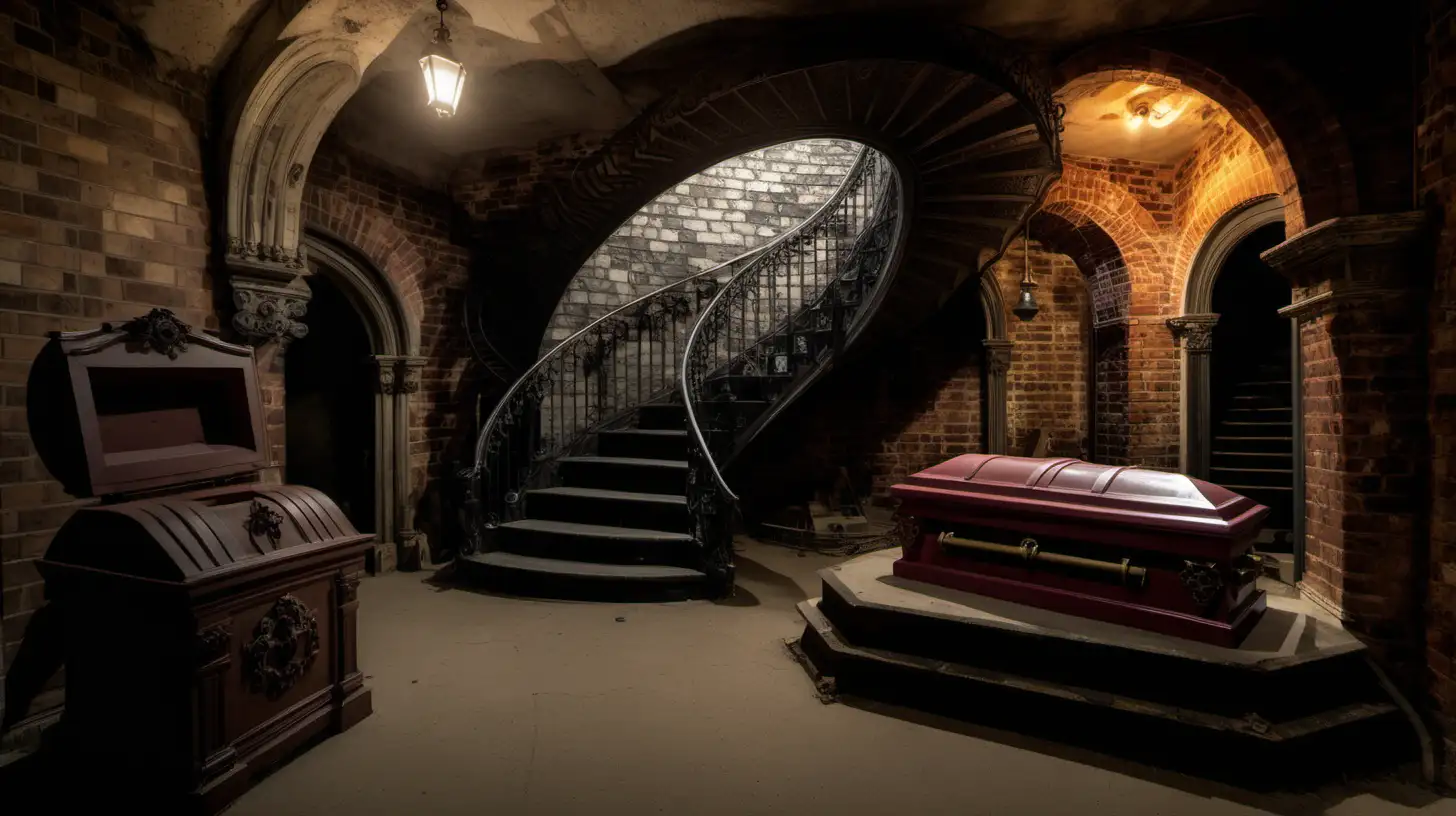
{"points": [[102, 217], [1046, 388]]}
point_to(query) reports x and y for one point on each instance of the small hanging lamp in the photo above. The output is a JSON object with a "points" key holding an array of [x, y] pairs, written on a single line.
{"points": [[1026, 307], [444, 77]]}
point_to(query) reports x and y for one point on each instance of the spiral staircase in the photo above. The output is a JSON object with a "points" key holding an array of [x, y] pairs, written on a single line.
{"points": [[603, 472]]}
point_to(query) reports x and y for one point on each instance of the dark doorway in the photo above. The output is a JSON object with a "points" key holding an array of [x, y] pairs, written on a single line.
{"points": [[1251, 387], [329, 399]]}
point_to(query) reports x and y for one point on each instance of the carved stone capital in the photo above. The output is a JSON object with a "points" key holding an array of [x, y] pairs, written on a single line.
{"points": [[998, 356], [411, 370], [1194, 331], [269, 305], [397, 374]]}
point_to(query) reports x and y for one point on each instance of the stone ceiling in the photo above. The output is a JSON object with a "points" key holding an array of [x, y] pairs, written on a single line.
{"points": [[545, 68]]}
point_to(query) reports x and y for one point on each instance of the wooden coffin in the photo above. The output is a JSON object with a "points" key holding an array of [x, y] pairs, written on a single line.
{"points": [[206, 621], [1153, 550]]}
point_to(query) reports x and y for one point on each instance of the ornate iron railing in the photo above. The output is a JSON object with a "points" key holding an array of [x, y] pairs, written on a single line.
{"points": [[595, 379], [771, 327]]}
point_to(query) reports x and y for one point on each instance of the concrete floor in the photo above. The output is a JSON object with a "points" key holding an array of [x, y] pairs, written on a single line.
{"points": [[488, 705]]}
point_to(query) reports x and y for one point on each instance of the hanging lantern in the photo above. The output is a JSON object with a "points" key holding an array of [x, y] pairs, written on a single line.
{"points": [[444, 77], [1026, 308]]}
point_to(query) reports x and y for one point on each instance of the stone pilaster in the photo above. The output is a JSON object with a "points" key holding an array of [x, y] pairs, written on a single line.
{"points": [[1358, 284], [998, 363], [1194, 332]]}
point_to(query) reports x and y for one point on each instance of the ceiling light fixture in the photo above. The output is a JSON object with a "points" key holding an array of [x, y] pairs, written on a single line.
{"points": [[444, 76]]}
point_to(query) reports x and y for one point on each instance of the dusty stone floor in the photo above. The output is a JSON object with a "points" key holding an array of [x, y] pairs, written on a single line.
{"points": [[490, 705]]}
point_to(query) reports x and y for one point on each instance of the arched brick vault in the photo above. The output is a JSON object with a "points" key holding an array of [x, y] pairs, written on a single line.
{"points": [[934, 97], [379, 239], [1085, 197], [1061, 228], [1302, 140]]}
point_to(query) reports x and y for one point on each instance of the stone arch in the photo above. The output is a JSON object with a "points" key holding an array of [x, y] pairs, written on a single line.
{"points": [[1196, 324], [394, 341], [1114, 240], [1302, 139], [276, 133]]}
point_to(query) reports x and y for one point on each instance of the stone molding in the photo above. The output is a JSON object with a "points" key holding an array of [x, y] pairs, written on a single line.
{"points": [[269, 304], [1342, 235], [1194, 331]]}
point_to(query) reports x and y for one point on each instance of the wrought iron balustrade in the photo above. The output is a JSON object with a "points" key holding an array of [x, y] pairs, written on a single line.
{"points": [[776, 322]]}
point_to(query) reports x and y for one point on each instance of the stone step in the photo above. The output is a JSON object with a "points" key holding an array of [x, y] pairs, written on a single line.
{"points": [[661, 416], [1258, 477], [1298, 686], [597, 543], [610, 508], [531, 576], [641, 443], [1223, 444], [625, 473], [1242, 428]]}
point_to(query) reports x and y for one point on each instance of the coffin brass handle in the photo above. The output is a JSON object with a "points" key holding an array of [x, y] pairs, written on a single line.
{"points": [[1031, 551]]}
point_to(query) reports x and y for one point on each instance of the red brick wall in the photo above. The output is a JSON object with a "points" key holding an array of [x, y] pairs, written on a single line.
{"points": [[413, 236], [1437, 147], [1226, 168], [1046, 386], [102, 216]]}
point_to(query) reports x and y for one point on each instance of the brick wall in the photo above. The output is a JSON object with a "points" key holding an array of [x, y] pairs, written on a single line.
{"points": [[711, 217], [1046, 387], [413, 236], [102, 217], [1225, 168], [1437, 148], [897, 411], [492, 182]]}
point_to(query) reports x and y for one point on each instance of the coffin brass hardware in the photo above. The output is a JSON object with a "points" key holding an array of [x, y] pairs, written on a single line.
{"points": [[1248, 568], [1031, 551]]}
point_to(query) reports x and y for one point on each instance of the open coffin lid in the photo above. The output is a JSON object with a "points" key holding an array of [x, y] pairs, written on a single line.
{"points": [[1089, 499], [144, 405]]}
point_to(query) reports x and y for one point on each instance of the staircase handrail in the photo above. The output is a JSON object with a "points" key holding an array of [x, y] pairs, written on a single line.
{"points": [[494, 424], [695, 432]]}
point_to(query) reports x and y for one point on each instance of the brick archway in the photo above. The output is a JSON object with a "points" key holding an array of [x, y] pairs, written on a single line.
{"points": [[1302, 140], [387, 246]]}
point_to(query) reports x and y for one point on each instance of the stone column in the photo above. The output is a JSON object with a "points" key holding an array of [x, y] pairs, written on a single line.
{"points": [[997, 364], [1195, 333], [398, 542], [414, 551], [1359, 302], [386, 447]]}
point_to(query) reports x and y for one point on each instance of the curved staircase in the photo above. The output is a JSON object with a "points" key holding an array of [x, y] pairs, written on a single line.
{"points": [[600, 474]]}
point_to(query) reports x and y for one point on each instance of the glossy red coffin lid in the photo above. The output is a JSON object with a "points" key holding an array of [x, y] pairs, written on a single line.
{"points": [[1077, 491]]}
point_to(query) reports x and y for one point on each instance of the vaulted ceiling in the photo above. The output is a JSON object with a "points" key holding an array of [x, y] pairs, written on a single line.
{"points": [[544, 68]]}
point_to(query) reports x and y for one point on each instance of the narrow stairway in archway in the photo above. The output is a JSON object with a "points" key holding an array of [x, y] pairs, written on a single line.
{"points": [[601, 473]]}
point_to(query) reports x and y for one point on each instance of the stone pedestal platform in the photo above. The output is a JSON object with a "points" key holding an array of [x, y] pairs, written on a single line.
{"points": [[1298, 701]]}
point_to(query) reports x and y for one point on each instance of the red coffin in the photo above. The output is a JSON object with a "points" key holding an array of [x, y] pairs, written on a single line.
{"points": [[1158, 551]]}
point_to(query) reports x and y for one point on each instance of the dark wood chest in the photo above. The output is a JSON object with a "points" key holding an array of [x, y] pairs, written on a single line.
{"points": [[206, 621]]}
